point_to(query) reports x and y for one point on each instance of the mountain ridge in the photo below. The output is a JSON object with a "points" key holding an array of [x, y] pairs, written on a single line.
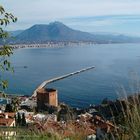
{"points": [[57, 31]]}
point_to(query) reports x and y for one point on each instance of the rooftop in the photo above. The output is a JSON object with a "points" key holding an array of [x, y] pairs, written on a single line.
{"points": [[8, 114], [6, 122], [46, 90]]}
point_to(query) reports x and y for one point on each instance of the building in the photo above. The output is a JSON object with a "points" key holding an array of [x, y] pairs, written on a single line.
{"points": [[91, 137], [4, 101], [46, 96], [43, 117], [7, 120]]}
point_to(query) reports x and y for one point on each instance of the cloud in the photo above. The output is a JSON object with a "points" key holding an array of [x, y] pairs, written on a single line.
{"points": [[55, 9], [126, 24], [103, 20]]}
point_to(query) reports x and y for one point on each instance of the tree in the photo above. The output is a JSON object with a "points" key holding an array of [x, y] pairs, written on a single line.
{"points": [[23, 120], [15, 104], [65, 113], [18, 119], [5, 50], [8, 108]]}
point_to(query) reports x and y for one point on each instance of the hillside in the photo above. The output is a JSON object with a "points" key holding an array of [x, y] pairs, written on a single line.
{"points": [[57, 31], [15, 33]]}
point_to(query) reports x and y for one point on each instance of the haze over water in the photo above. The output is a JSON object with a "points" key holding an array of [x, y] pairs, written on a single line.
{"points": [[115, 66]]}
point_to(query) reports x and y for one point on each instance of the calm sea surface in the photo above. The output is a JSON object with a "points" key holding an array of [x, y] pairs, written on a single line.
{"points": [[116, 65]]}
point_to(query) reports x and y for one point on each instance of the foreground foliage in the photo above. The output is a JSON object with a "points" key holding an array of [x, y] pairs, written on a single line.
{"points": [[5, 50]]}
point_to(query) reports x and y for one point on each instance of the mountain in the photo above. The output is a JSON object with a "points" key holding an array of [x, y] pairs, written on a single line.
{"points": [[15, 33], [57, 31]]}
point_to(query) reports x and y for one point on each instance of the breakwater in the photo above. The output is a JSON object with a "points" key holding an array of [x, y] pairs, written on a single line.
{"points": [[60, 78]]}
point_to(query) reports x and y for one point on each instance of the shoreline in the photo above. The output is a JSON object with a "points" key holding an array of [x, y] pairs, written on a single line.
{"points": [[51, 45], [60, 45]]}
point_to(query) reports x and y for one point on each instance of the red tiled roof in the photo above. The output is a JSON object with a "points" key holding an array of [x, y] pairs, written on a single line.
{"points": [[72, 127], [6, 122], [10, 115]]}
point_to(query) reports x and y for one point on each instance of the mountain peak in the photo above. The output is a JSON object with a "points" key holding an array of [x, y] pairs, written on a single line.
{"points": [[56, 23]]}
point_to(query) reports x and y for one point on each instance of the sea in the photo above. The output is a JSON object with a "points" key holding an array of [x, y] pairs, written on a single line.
{"points": [[116, 73]]}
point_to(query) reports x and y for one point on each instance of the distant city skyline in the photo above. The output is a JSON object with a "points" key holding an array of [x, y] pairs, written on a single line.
{"points": [[91, 15]]}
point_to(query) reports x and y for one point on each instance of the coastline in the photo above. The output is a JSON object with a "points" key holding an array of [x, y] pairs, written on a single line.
{"points": [[60, 45], [51, 45]]}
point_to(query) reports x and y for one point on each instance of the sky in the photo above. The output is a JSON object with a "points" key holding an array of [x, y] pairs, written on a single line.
{"points": [[105, 16]]}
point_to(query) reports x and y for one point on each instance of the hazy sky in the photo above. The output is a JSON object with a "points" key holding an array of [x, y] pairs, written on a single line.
{"points": [[117, 16]]}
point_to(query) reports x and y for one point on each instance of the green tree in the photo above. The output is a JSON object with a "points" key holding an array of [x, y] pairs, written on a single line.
{"points": [[65, 113], [15, 104], [8, 108], [23, 120], [4, 95], [18, 119], [5, 50]]}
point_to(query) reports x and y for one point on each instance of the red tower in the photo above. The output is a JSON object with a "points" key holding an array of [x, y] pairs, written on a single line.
{"points": [[46, 96]]}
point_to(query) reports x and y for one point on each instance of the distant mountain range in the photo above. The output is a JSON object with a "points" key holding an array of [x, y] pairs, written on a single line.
{"points": [[15, 33], [57, 31]]}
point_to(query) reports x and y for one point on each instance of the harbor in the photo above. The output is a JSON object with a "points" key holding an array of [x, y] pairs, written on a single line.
{"points": [[61, 77]]}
